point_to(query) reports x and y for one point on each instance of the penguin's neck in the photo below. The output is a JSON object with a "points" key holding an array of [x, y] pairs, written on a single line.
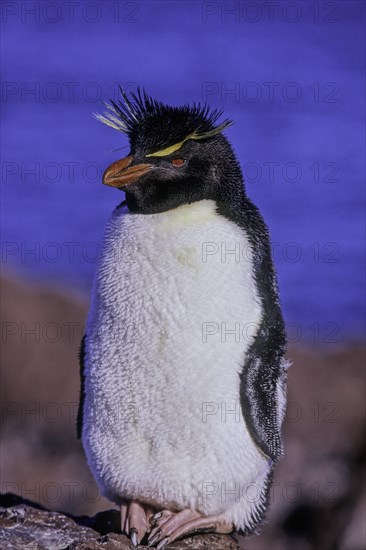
{"points": [[189, 214]]}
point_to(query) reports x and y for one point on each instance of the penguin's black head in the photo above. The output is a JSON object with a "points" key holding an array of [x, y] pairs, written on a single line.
{"points": [[178, 154]]}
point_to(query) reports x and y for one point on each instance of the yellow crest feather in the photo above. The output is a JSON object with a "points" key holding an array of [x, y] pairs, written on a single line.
{"points": [[172, 148]]}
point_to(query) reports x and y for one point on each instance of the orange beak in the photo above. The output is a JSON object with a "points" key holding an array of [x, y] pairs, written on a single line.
{"points": [[119, 174]]}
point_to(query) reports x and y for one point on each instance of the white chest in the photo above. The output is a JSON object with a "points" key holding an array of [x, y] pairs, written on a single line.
{"points": [[173, 314], [175, 293]]}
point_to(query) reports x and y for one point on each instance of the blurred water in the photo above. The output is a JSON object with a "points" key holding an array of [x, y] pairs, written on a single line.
{"points": [[295, 90]]}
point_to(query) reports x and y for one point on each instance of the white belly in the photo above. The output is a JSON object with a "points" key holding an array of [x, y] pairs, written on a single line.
{"points": [[159, 385]]}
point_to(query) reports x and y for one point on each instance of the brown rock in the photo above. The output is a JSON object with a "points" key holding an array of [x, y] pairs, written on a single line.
{"points": [[24, 524]]}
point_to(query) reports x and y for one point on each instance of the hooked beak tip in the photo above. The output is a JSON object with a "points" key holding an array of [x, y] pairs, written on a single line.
{"points": [[120, 174]]}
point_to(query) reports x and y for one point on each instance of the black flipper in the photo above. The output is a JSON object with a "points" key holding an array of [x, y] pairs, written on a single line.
{"points": [[260, 379], [263, 372], [79, 422]]}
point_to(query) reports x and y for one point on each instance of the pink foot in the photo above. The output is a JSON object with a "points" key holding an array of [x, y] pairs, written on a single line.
{"points": [[135, 520], [169, 527]]}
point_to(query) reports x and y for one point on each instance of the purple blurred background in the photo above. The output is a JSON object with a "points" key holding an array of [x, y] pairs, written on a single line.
{"points": [[289, 74]]}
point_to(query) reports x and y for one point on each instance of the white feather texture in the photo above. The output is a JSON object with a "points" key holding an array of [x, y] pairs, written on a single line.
{"points": [[157, 421]]}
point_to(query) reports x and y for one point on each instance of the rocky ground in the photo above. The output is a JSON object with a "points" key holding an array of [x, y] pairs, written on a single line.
{"points": [[318, 499], [25, 524]]}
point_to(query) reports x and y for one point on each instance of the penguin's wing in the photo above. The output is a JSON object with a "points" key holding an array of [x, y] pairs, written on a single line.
{"points": [[263, 378], [263, 390], [79, 422]]}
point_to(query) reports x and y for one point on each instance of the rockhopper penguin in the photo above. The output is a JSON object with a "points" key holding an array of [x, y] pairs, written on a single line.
{"points": [[182, 363]]}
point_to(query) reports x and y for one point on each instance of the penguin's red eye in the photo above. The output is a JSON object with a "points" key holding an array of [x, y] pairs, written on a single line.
{"points": [[178, 162]]}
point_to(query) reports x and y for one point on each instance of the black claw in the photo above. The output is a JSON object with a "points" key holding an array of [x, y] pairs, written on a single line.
{"points": [[155, 537]]}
